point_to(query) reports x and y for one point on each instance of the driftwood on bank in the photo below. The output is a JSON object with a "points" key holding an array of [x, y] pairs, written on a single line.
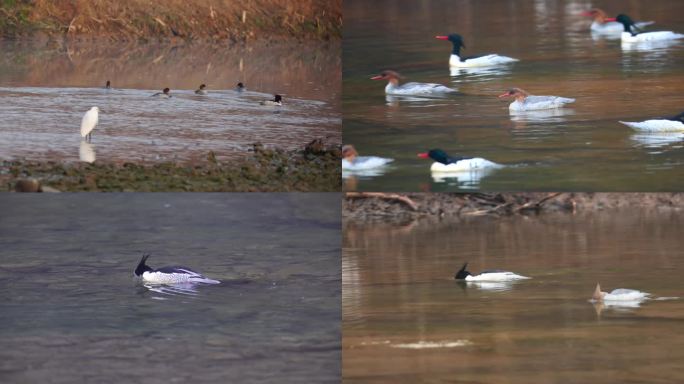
{"points": [[385, 196]]}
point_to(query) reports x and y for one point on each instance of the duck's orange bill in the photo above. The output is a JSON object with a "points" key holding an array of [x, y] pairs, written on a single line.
{"points": [[442, 37], [378, 77], [423, 155], [504, 94], [610, 19]]}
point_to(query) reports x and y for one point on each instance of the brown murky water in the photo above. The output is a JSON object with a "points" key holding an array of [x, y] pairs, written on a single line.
{"points": [[405, 320], [46, 88], [581, 147]]}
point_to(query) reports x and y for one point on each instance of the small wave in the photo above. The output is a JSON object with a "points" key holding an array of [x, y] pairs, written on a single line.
{"points": [[434, 344]]}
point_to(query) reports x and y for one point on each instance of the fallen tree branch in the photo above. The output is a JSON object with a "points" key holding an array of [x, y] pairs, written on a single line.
{"points": [[536, 205], [384, 196]]}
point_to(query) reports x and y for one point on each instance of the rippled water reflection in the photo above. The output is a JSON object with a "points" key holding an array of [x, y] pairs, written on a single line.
{"points": [[68, 296], [580, 147], [46, 89], [406, 320]]}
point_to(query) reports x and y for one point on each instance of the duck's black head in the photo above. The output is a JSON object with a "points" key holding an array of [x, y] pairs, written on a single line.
{"points": [[277, 98], [202, 86], [142, 267], [437, 155], [627, 23], [456, 42], [240, 85], [166, 90], [109, 84], [462, 273], [679, 117]]}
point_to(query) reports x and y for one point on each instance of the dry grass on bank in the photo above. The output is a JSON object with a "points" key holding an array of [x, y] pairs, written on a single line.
{"points": [[196, 19]]}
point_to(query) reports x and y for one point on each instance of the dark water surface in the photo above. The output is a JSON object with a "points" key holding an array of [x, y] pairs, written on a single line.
{"points": [[71, 310], [405, 320], [581, 147], [46, 88]]}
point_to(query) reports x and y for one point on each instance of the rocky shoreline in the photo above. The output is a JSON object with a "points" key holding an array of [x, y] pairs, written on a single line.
{"points": [[314, 168]]}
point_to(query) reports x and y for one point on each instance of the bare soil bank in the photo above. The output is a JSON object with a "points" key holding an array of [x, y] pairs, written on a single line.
{"points": [[173, 19], [399, 208], [316, 168]]}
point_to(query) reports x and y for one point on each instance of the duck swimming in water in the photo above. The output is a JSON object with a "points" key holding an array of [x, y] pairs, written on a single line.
{"points": [[488, 275], [201, 90], [277, 101], [170, 275], [620, 294], [240, 87], [165, 93], [410, 89], [351, 160]]}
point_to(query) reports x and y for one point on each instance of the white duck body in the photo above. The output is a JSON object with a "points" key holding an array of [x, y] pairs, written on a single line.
{"points": [[482, 61], [464, 165], [531, 103], [622, 294], [365, 162], [174, 275], [418, 89], [170, 275], [495, 276], [650, 36], [614, 26], [655, 125]]}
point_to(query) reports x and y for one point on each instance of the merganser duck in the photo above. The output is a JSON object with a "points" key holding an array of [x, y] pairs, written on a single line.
{"points": [[164, 94], [239, 87], [633, 34], [200, 90], [108, 85], [668, 124], [351, 160], [602, 25], [446, 163], [620, 294], [489, 275], [416, 89], [89, 122], [455, 59], [170, 275], [277, 101], [526, 102]]}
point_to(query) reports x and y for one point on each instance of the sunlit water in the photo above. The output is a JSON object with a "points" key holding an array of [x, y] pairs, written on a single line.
{"points": [[406, 320], [44, 92], [68, 297], [579, 147]]}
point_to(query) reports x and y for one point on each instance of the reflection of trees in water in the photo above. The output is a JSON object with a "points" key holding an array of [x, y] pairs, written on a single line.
{"points": [[430, 250], [311, 70]]}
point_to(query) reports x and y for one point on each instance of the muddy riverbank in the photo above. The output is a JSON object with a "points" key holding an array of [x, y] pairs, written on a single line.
{"points": [[399, 208], [315, 168]]}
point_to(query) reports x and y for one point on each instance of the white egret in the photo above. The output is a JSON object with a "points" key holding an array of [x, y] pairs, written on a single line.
{"points": [[89, 122]]}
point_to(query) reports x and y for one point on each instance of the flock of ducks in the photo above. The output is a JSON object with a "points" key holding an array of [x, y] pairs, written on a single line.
{"points": [[617, 297], [630, 33], [91, 117]]}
